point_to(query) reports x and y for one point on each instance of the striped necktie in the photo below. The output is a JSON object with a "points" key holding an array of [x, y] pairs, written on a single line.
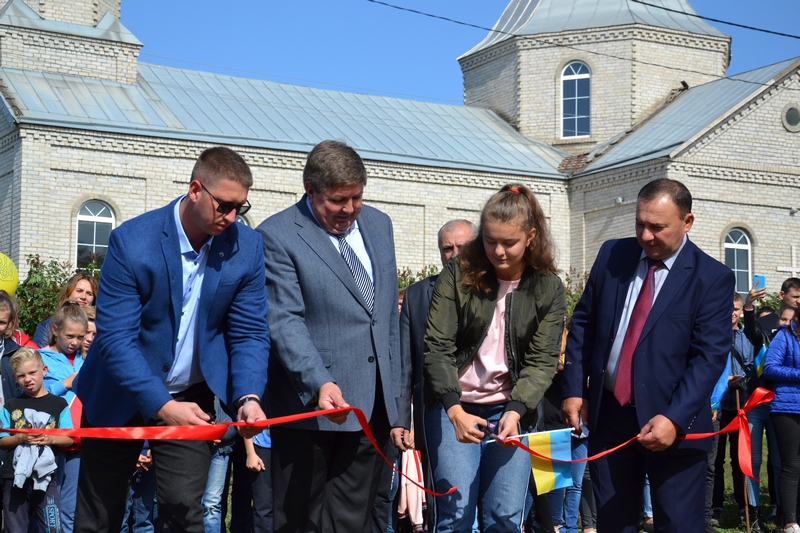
{"points": [[359, 272]]}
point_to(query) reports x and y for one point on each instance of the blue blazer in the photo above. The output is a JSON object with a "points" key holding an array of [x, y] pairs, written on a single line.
{"points": [[138, 311], [683, 346], [321, 328]]}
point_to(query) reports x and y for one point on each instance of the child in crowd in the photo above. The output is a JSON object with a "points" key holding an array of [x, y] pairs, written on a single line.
{"points": [[29, 480], [91, 331], [63, 357], [259, 464], [8, 324]]}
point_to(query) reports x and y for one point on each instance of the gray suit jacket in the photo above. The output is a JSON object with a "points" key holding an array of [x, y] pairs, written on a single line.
{"points": [[322, 328]]}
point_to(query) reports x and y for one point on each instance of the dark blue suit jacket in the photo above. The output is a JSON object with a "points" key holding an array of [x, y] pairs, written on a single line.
{"points": [[413, 323], [138, 309], [682, 349]]}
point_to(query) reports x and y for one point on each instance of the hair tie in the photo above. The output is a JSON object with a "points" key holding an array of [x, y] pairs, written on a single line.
{"points": [[514, 190]]}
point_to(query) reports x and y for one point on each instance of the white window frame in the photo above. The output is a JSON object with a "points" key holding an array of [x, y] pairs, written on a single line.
{"points": [[102, 216], [571, 74], [742, 243]]}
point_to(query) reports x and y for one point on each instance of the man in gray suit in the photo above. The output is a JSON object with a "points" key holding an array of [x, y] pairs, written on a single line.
{"points": [[332, 288]]}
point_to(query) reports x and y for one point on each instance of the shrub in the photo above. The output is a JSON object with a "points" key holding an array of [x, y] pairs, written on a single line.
{"points": [[406, 277]]}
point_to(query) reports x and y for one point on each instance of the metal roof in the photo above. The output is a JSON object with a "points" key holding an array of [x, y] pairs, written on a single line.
{"points": [[187, 104], [533, 17], [687, 116]]}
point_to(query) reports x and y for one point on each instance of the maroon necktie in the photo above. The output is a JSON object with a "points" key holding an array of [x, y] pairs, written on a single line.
{"points": [[623, 391]]}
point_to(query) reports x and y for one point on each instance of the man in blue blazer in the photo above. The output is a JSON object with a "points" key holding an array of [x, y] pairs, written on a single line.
{"points": [[647, 369], [181, 318], [332, 285]]}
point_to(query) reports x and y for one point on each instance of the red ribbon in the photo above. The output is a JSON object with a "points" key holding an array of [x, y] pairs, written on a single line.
{"points": [[213, 432], [759, 396], [216, 431]]}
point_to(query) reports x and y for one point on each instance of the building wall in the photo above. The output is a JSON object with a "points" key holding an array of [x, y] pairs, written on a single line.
{"points": [[84, 12], [628, 81], [62, 169], [28, 49], [491, 80]]}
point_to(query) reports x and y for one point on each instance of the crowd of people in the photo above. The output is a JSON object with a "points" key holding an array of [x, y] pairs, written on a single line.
{"points": [[201, 320]]}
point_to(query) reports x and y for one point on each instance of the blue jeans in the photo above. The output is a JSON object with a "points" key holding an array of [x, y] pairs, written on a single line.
{"points": [[212, 497], [759, 420], [647, 510], [140, 514], [69, 464], [565, 502], [488, 476]]}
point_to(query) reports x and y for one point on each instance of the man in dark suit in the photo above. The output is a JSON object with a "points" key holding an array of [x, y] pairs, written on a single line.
{"points": [[332, 284], [413, 321], [650, 337], [180, 319]]}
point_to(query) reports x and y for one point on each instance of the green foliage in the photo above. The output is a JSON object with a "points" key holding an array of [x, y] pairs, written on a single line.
{"points": [[406, 277], [37, 296], [574, 283], [770, 299]]}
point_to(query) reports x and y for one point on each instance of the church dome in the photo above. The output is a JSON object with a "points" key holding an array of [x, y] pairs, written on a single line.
{"points": [[533, 17]]}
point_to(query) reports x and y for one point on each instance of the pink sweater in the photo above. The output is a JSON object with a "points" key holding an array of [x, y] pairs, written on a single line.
{"points": [[486, 378]]}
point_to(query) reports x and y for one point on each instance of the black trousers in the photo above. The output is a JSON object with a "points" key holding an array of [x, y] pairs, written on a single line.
{"points": [[787, 431], [327, 480], [677, 478], [107, 466]]}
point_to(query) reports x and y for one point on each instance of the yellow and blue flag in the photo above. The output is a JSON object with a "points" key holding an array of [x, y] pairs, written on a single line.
{"points": [[759, 360], [551, 475]]}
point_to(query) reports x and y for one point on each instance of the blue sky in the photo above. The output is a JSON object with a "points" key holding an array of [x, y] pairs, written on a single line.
{"points": [[356, 45]]}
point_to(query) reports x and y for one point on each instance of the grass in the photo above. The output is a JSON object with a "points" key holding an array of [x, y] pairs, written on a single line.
{"points": [[731, 509]]}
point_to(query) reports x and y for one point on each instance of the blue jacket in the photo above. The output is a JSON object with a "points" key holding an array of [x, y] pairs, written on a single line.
{"points": [[138, 316], [745, 349], [58, 369], [783, 367]]}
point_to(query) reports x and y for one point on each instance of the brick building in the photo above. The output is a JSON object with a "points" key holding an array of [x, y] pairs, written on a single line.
{"points": [[582, 100]]}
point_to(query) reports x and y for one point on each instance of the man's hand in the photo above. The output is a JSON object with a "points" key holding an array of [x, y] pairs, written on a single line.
{"points": [[571, 410], [464, 424], [507, 427], [658, 434], [175, 413], [330, 397], [402, 438], [250, 412], [753, 295]]}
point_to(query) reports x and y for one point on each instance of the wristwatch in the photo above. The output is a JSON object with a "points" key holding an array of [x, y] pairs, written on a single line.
{"points": [[241, 401]]}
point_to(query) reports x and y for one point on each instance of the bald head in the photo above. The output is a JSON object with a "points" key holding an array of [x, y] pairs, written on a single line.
{"points": [[453, 235]]}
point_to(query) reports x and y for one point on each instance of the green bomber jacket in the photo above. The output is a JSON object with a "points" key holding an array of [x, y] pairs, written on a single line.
{"points": [[459, 319]]}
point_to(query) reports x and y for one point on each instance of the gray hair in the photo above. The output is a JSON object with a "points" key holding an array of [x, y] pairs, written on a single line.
{"points": [[450, 225]]}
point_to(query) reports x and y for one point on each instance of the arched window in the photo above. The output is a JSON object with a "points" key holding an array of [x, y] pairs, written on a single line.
{"points": [[576, 95], [95, 222], [737, 258]]}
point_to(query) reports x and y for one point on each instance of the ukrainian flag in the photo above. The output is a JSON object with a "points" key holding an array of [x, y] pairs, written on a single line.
{"points": [[551, 475], [759, 360]]}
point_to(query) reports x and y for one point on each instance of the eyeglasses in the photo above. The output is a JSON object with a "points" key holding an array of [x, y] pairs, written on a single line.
{"points": [[223, 208]]}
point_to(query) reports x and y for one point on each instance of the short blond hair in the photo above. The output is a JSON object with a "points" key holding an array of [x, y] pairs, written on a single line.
{"points": [[23, 355]]}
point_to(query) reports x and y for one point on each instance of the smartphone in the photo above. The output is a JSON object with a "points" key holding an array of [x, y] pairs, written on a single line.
{"points": [[760, 281]]}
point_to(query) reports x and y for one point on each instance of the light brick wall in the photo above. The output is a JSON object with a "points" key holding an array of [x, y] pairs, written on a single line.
{"points": [[521, 78], [83, 12], [62, 169], [28, 49]]}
